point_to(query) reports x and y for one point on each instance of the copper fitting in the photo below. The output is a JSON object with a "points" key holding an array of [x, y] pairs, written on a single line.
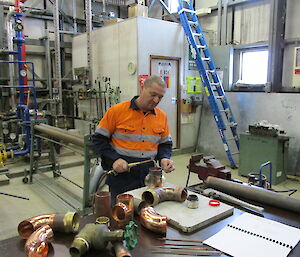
{"points": [[153, 221], [121, 250], [154, 196], [68, 223], [122, 212], [37, 244]]}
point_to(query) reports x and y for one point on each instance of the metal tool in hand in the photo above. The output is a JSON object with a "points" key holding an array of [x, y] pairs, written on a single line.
{"points": [[130, 165]]}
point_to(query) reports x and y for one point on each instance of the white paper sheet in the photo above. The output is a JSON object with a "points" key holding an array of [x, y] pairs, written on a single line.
{"points": [[253, 236]]}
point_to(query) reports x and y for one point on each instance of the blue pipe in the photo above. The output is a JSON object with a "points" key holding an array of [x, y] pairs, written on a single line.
{"points": [[34, 97], [26, 117], [260, 173], [20, 41]]}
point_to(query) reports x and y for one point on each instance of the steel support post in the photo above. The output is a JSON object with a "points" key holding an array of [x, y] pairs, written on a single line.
{"points": [[86, 175], [89, 27], [276, 44], [58, 81], [31, 153]]}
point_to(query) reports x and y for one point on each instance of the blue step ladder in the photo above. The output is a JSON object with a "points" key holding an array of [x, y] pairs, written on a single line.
{"points": [[212, 85]]}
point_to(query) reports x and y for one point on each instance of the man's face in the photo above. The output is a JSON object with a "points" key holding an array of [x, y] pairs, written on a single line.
{"points": [[151, 96]]}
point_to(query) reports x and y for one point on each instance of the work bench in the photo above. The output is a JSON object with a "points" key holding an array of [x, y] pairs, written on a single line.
{"points": [[147, 239]]}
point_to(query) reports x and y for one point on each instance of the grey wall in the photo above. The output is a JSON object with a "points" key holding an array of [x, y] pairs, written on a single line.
{"points": [[252, 25]]}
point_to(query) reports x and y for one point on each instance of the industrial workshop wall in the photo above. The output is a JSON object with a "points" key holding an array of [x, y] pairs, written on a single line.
{"points": [[277, 108], [122, 52]]}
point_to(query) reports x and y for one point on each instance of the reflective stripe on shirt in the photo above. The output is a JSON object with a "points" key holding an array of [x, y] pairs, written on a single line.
{"points": [[135, 153]]}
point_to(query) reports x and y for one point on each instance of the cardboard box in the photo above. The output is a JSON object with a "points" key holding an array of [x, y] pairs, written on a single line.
{"points": [[111, 21], [137, 10]]}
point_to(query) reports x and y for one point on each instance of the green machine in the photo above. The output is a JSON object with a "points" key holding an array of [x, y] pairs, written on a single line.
{"points": [[258, 149]]}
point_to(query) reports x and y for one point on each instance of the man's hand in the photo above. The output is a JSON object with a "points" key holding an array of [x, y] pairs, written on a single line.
{"points": [[167, 165], [120, 165]]}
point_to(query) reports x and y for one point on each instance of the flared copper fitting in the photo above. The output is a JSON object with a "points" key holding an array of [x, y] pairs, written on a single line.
{"points": [[154, 196], [37, 244], [63, 223], [153, 221], [121, 250], [123, 210]]}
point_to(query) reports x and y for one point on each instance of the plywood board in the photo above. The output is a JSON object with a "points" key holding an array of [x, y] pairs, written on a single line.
{"points": [[185, 219]]}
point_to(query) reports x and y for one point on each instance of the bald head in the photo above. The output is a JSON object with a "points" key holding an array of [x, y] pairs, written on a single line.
{"points": [[154, 79]]}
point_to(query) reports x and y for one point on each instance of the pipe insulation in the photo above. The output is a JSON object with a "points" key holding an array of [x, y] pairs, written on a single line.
{"points": [[7, 2], [60, 134], [254, 193]]}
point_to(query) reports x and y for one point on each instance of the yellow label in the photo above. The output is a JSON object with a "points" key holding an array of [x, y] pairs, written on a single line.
{"points": [[206, 91]]}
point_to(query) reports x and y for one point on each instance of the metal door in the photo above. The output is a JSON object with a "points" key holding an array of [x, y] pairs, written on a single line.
{"points": [[168, 69]]}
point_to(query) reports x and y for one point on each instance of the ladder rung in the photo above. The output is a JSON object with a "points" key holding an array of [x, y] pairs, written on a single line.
{"points": [[226, 110], [235, 153], [232, 124], [201, 46], [220, 97], [193, 22], [206, 59], [186, 10], [215, 84], [197, 34], [210, 71]]}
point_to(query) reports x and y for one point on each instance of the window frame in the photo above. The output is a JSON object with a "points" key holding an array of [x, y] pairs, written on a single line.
{"points": [[237, 69]]}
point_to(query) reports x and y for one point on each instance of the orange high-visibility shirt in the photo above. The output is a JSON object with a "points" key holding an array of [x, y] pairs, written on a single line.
{"points": [[133, 133]]}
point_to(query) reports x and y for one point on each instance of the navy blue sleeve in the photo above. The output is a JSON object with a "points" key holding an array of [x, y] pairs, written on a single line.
{"points": [[164, 150], [103, 148]]}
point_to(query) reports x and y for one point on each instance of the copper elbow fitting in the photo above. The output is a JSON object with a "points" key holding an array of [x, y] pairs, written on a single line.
{"points": [[154, 196], [37, 244], [153, 221], [68, 223]]}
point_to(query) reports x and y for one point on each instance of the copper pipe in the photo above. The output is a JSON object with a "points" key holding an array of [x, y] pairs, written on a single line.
{"points": [[60, 134], [151, 220], [37, 244], [154, 196], [102, 202], [121, 250], [68, 223]]}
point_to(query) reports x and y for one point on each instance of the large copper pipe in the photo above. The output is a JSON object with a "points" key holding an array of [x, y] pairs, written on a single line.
{"points": [[154, 196], [60, 134], [121, 250], [153, 221], [68, 223], [37, 244], [254, 193]]}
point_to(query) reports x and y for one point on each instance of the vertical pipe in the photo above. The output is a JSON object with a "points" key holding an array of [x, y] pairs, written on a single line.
{"points": [[219, 22], [89, 27], [57, 82], [224, 24]]}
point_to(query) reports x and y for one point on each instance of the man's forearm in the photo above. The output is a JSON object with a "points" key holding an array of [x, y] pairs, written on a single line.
{"points": [[164, 151]]}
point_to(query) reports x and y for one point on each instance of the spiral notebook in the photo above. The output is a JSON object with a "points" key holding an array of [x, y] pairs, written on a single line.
{"points": [[253, 236]]}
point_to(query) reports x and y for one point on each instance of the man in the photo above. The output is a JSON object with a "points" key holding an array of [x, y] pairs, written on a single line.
{"points": [[134, 131]]}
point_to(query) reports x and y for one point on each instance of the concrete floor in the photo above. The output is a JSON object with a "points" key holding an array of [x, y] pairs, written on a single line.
{"points": [[14, 210]]}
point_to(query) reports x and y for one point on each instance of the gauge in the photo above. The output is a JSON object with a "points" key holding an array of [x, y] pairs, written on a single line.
{"points": [[131, 68]]}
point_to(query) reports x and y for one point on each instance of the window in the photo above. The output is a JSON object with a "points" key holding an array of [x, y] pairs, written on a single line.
{"points": [[254, 67], [173, 6]]}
